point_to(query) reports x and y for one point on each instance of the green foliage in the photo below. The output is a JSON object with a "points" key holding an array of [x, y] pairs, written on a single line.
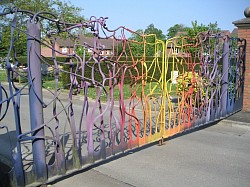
{"points": [[152, 39], [186, 80], [194, 37], [65, 11], [3, 76], [50, 84], [90, 69], [190, 80], [81, 51], [151, 74], [172, 31], [136, 46], [22, 60], [151, 29], [147, 58], [192, 32], [140, 45], [20, 44]]}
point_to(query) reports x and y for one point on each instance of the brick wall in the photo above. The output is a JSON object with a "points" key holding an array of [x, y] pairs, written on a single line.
{"points": [[45, 51], [244, 32]]}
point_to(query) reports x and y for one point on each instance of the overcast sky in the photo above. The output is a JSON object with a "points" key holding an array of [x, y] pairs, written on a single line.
{"points": [[138, 14]]}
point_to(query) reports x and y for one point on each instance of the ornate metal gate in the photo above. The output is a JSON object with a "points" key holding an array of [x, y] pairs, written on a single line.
{"points": [[114, 100]]}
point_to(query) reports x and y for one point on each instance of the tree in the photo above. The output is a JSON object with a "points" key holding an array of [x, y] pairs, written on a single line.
{"points": [[65, 11], [196, 28], [151, 40], [192, 32], [137, 48], [152, 30], [172, 31]]}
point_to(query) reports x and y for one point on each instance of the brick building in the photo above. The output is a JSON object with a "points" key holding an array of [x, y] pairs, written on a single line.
{"points": [[65, 46]]}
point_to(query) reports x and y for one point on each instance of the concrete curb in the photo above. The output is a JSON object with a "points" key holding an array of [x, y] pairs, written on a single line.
{"points": [[232, 123]]}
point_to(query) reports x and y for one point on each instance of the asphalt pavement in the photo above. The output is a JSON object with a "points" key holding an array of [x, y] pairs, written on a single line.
{"points": [[217, 155]]}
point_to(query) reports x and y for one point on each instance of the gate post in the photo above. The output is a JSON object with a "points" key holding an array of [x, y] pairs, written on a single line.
{"points": [[244, 32], [35, 99], [224, 86]]}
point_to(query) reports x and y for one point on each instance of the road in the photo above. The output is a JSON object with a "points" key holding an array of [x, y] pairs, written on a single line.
{"points": [[214, 156]]}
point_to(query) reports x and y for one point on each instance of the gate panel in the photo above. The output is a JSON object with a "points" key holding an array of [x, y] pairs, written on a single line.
{"points": [[112, 100]]}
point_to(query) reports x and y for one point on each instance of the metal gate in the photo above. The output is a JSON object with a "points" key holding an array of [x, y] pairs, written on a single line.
{"points": [[114, 100]]}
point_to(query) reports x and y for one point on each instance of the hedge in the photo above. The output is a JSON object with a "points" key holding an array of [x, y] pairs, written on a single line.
{"points": [[88, 72], [65, 77], [22, 60], [152, 72]]}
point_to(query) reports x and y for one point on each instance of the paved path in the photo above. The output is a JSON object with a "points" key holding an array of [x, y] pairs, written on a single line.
{"points": [[214, 156]]}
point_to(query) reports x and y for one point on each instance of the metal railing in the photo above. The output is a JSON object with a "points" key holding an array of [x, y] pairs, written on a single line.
{"points": [[112, 103]]}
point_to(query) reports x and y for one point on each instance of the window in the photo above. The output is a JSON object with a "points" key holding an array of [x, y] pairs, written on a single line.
{"points": [[64, 50], [175, 50]]}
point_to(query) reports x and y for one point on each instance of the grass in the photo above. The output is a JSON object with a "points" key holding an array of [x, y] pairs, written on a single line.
{"points": [[153, 88], [22, 79], [3, 77], [126, 90], [50, 84]]}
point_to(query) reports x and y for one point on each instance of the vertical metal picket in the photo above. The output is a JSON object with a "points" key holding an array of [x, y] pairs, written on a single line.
{"points": [[224, 81], [35, 99]]}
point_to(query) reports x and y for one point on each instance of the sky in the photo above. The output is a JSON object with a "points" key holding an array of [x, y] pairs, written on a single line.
{"points": [[138, 14]]}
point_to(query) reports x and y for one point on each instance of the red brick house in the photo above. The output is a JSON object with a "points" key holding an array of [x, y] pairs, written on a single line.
{"points": [[66, 46]]}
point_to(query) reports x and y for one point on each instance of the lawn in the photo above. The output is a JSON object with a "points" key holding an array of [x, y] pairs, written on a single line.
{"points": [[3, 77], [153, 88]]}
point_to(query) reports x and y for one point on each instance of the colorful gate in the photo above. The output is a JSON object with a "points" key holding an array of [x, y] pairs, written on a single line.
{"points": [[105, 99]]}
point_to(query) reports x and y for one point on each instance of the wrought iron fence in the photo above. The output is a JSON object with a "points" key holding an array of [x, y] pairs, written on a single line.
{"points": [[114, 100]]}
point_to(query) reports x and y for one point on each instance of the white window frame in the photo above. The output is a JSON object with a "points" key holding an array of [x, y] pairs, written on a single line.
{"points": [[64, 50]]}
